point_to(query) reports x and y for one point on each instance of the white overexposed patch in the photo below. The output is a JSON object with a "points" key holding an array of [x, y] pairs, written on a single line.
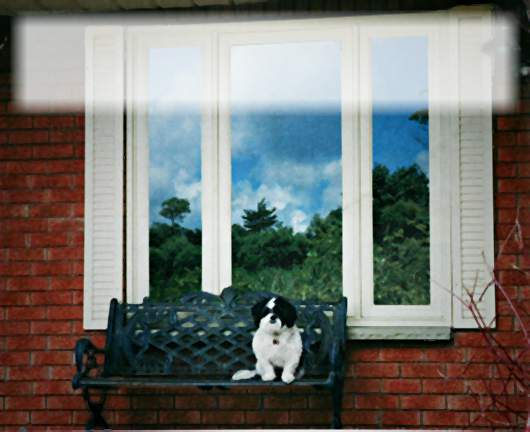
{"points": [[272, 302]]}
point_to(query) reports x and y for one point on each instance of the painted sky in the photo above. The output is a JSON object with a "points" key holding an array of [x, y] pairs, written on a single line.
{"points": [[286, 131]]}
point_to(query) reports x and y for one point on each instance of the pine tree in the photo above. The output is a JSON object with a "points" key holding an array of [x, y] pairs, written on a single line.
{"points": [[260, 219]]}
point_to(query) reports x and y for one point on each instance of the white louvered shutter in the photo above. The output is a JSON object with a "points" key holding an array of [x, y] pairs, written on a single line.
{"points": [[473, 241], [104, 100]]}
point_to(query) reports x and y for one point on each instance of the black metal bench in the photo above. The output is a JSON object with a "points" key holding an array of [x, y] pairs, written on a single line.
{"points": [[201, 340]]}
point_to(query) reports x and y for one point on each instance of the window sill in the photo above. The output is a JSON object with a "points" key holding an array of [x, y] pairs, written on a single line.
{"points": [[399, 333]]}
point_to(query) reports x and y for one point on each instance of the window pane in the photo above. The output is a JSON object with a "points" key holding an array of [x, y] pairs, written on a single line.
{"points": [[400, 141], [174, 121], [286, 169]]}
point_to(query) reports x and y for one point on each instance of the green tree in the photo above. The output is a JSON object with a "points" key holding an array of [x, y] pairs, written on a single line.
{"points": [[260, 219], [175, 209]]}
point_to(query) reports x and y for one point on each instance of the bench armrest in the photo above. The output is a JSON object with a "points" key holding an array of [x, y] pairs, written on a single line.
{"points": [[338, 346], [85, 359]]}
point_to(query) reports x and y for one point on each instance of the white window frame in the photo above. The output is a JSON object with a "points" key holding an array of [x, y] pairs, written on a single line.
{"points": [[365, 320]]}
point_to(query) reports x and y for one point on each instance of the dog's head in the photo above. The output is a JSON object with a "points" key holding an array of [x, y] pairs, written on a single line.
{"points": [[273, 313]]}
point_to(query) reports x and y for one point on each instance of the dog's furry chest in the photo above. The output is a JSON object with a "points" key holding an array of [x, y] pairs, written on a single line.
{"points": [[278, 349]]}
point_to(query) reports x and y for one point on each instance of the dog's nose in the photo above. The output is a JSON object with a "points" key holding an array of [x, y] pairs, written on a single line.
{"points": [[273, 319]]}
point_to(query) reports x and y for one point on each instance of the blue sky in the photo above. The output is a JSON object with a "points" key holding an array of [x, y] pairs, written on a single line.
{"points": [[286, 132]]}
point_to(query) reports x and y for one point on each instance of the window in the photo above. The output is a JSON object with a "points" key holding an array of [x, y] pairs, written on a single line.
{"points": [[313, 158]]}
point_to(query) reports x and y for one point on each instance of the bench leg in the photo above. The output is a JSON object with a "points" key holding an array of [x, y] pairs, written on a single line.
{"points": [[95, 406], [336, 394]]}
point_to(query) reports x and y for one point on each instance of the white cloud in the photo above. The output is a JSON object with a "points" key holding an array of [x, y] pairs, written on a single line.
{"points": [[299, 221]]}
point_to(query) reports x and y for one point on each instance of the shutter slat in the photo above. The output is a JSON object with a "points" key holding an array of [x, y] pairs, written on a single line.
{"points": [[104, 172], [473, 241]]}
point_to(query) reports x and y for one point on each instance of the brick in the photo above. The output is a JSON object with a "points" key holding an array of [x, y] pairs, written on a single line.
{"points": [[11, 240], [53, 388], [49, 240], [503, 138], [51, 327], [222, 417], [14, 418], [28, 137], [469, 339], [28, 373], [118, 402], [27, 312], [513, 185], [13, 298], [52, 357], [386, 370], [53, 122], [33, 254], [65, 254], [14, 327], [313, 417], [520, 122], [55, 151], [462, 403], [445, 418], [62, 342], [62, 225], [61, 372], [25, 402], [523, 138], [70, 402], [399, 418], [56, 210], [362, 385], [25, 343], [13, 211], [180, 417], [505, 170], [14, 269], [15, 388], [422, 370], [65, 195], [468, 370], [22, 225], [65, 312], [145, 402], [265, 418], [444, 354], [402, 386], [67, 283], [360, 418], [422, 402], [363, 355], [282, 401], [401, 354], [50, 417], [15, 122], [66, 136], [15, 152], [51, 298], [51, 269], [51, 181], [14, 358], [376, 402], [239, 402]]}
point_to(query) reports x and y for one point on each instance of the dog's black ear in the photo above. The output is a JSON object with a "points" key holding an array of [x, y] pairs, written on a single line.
{"points": [[286, 311], [258, 309]]}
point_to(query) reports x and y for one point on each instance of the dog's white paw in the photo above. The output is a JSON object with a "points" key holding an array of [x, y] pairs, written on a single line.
{"points": [[287, 378], [268, 377]]}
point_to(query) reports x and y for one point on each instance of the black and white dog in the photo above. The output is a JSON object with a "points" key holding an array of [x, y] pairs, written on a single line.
{"points": [[277, 342]]}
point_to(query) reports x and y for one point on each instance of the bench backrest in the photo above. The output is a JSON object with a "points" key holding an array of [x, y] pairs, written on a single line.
{"points": [[208, 335]]}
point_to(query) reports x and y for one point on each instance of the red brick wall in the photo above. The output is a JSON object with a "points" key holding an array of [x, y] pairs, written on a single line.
{"points": [[41, 282]]}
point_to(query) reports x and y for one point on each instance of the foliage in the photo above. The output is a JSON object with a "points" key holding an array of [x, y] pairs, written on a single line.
{"points": [[175, 209], [401, 236], [260, 219], [266, 255]]}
